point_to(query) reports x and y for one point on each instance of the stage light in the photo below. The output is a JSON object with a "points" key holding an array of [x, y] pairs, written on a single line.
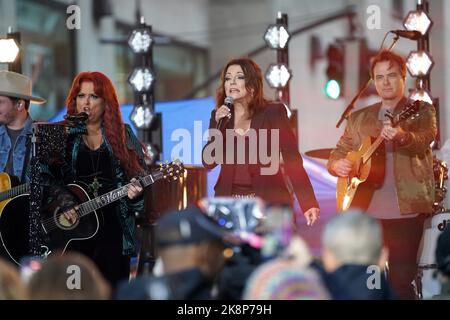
{"points": [[142, 79], [419, 63], [278, 75], [276, 36], [152, 153], [142, 116], [418, 20], [140, 40], [421, 95], [8, 50]]}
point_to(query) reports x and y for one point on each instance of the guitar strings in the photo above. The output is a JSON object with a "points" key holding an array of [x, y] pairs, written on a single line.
{"points": [[50, 223], [52, 218]]}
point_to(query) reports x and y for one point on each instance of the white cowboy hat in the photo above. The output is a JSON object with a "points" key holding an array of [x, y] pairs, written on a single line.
{"points": [[16, 85]]}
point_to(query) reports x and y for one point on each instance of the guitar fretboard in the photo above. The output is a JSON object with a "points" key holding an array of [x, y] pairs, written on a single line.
{"points": [[13, 192], [394, 122], [366, 156], [114, 195]]}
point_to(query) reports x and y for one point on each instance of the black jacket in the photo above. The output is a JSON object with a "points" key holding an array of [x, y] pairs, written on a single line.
{"points": [[350, 282], [271, 188], [188, 284]]}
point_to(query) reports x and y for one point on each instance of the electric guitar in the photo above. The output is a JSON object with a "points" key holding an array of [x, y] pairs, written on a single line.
{"points": [[7, 191], [357, 188], [58, 231]]}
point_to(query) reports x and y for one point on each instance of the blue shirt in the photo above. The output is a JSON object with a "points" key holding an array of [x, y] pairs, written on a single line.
{"points": [[19, 149]]}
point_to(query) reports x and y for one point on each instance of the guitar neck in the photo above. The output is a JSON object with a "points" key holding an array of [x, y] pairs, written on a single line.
{"points": [[366, 156], [13, 192], [114, 195]]}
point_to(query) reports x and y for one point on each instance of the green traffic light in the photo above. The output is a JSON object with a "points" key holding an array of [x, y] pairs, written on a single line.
{"points": [[333, 89]]}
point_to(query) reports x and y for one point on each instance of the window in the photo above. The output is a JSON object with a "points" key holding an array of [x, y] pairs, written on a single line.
{"points": [[398, 9], [48, 53]]}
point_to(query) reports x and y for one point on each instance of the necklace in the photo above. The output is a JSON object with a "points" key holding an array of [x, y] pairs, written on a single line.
{"points": [[95, 185]]}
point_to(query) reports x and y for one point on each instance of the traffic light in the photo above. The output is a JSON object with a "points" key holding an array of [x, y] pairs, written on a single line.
{"points": [[335, 71]]}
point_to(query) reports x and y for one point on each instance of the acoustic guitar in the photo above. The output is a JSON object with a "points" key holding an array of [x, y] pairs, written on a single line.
{"points": [[357, 188], [10, 188], [58, 232]]}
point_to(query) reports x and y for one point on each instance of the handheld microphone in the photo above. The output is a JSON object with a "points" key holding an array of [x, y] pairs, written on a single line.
{"points": [[413, 35], [224, 121], [82, 116]]}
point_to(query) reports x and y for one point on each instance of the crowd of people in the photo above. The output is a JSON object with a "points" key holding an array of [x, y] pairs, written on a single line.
{"points": [[351, 266]]}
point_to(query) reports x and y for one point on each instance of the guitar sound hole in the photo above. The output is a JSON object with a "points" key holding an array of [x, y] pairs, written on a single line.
{"points": [[63, 223]]}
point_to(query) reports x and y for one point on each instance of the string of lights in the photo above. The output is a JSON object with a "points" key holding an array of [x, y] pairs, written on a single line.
{"points": [[142, 81], [420, 62], [278, 74]]}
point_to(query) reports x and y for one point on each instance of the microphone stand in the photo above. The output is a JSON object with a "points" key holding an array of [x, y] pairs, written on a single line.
{"points": [[350, 107]]}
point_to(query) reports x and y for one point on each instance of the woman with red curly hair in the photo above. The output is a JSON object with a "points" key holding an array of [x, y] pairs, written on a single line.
{"points": [[94, 94], [104, 156]]}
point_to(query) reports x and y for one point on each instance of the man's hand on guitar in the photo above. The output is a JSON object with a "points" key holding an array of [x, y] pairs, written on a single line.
{"points": [[390, 133], [342, 167], [135, 189]]}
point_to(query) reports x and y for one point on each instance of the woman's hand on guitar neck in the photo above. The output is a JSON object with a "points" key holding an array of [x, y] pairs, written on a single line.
{"points": [[342, 167], [135, 189]]}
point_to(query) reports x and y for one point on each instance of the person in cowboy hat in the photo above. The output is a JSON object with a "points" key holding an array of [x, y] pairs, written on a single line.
{"points": [[15, 122]]}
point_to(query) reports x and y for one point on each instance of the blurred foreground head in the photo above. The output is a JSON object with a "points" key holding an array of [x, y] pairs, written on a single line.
{"points": [[11, 285], [189, 239], [71, 276], [287, 277], [352, 237]]}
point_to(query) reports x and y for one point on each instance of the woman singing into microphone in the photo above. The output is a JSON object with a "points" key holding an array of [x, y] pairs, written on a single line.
{"points": [[105, 155], [255, 133]]}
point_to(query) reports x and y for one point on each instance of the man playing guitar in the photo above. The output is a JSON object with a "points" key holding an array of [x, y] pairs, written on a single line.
{"points": [[404, 190], [15, 126], [15, 122]]}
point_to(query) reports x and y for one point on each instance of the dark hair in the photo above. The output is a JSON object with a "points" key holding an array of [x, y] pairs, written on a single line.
{"points": [[253, 82], [16, 100], [392, 57]]}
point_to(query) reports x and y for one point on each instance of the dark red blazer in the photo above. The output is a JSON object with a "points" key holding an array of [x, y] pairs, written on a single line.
{"points": [[271, 188]]}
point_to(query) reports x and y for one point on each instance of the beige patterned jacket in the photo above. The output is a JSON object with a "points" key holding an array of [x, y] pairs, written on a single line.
{"points": [[413, 159]]}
